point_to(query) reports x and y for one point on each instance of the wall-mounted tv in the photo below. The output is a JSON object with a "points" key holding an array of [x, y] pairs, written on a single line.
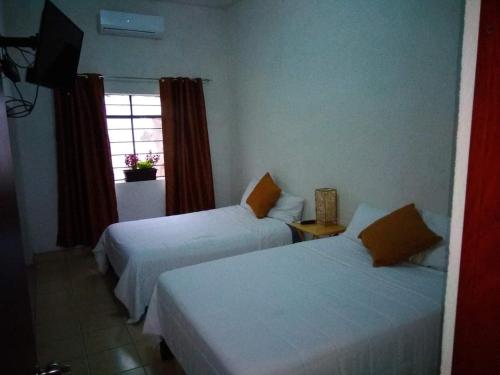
{"points": [[58, 50]]}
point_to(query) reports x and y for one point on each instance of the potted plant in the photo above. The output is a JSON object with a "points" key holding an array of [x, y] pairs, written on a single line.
{"points": [[141, 170]]}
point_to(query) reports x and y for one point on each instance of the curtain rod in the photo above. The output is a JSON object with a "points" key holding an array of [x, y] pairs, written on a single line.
{"points": [[132, 78]]}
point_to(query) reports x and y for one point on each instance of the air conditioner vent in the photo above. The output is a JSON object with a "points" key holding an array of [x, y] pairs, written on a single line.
{"points": [[131, 24]]}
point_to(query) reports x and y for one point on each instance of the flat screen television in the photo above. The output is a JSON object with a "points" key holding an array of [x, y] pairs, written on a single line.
{"points": [[58, 50]]}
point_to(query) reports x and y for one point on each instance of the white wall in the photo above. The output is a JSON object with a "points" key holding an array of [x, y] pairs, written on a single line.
{"points": [[357, 95], [140, 200], [194, 45]]}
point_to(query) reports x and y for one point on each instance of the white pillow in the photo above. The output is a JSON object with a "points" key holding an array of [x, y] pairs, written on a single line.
{"points": [[247, 192], [288, 208], [364, 216], [439, 224], [437, 256]]}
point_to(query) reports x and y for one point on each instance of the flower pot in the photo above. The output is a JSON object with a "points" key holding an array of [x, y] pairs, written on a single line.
{"points": [[132, 175]]}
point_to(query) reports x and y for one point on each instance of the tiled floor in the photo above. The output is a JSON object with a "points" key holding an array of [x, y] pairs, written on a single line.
{"points": [[78, 321]]}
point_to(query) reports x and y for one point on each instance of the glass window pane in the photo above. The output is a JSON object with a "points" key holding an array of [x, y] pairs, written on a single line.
{"points": [[161, 171], [146, 110], [141, 123], [116, 99], [122, 148], [119, 123], [117, 110], [120, 135], [118, 172], [145, 147], [148, 134], [145, 100], [118, 161]]}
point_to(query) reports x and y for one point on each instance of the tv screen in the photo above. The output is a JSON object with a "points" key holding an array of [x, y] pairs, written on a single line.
{"points": [[58, 51]]}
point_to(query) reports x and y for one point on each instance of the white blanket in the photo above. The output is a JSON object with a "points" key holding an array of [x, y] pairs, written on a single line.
{"points": [[141, 250], [317, 307]]}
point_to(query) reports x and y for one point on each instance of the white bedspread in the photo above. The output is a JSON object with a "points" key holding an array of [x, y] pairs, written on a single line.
{"points": [[316, 307], [141, 250]]}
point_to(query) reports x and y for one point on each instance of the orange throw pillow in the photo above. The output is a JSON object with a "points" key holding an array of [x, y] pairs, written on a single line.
{"points": [[264, 196], [397, 236]]}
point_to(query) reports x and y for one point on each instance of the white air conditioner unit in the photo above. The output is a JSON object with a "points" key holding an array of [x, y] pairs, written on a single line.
{"points": [[131, 24]]}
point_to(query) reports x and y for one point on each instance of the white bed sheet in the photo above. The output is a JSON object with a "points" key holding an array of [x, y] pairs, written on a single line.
{"points": [[316, 307], [141, 250]]}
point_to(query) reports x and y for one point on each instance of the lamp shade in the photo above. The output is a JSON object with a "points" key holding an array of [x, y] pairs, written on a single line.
{"points": [[326, 206]]}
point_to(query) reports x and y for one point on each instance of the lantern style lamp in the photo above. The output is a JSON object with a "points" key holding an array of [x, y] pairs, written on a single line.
{"points": [[326, 206]]}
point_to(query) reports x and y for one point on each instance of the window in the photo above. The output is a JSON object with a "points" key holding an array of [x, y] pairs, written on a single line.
{"points": [[134, 127]]}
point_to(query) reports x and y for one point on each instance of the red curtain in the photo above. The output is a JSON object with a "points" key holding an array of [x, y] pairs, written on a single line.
{"points": [[477, 330], [188, 167], [86, 190]]}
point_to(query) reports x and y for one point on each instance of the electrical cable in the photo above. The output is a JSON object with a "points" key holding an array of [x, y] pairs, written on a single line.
{"points": [[22, 52], [27, 106], [18, 107]]}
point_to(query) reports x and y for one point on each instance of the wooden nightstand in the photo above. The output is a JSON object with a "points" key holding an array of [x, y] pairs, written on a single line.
{"points": [[317, 230]]}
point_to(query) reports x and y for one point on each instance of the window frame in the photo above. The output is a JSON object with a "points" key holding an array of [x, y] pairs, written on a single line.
{"points": [[131, 117]]}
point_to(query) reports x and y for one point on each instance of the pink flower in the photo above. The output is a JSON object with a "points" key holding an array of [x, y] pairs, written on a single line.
{"points": [[152, 158], [131, 161]]}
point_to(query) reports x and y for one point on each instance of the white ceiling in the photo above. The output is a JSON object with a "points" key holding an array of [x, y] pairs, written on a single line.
{"points": [[206, 3]]}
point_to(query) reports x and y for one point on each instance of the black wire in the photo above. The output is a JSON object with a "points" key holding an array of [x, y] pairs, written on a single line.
{"points": [[23, 54], [26, 51], [30, 63], [27, 106], [27, 103], [20, 106]]}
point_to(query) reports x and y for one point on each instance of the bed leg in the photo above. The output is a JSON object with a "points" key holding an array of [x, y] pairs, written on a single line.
{"points": [[165, 352]]}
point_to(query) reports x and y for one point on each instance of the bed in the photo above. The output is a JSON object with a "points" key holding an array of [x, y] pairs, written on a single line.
{"points": [[316, 307], [139, 251]]}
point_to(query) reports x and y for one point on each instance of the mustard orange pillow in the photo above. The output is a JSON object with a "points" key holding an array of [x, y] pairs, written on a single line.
{"points": [[264, 196], [396, 237]]}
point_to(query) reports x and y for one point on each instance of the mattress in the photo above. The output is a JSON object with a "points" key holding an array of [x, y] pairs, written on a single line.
{"points": [[316, 307], [141, 250]]}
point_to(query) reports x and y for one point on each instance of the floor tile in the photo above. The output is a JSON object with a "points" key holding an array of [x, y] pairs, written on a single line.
{"points": [[135, 331], [149, 351], [96, 321], [55, 301], [114, 361], [83, 266], [98, 302], [61, 350], [92, 282], [57, 330], [93, 295], [110, 306], [78, 272], [78, 252], [109, 338], [150, 370], [53, 286], [46, 313], [58, 266], [49, 257], [79, 367], [165, 368], [47, 276], [137, 371]]}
